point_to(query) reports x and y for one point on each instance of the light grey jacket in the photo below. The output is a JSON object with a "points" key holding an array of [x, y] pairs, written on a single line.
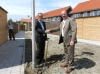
{"points": [[70, 31]]}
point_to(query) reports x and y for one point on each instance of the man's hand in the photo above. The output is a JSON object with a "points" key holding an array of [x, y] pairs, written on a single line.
{"points": [[47, 31], [71, 43]]}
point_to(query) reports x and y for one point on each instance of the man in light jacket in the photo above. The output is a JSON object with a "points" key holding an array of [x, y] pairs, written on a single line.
{"points": [[68, 31]]}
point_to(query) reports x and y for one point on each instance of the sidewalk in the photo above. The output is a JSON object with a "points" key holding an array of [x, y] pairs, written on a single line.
{"points": [[12, 55], [80, 40]]}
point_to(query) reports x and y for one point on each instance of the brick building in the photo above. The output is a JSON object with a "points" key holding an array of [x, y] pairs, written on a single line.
{"points": [[26, 24], [16, 27], [3, 23], [87, 15]]}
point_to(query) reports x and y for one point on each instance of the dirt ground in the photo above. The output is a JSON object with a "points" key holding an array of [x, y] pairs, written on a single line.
{"points": [[86, 58]]}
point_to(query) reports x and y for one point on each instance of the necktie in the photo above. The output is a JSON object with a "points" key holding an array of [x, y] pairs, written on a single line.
{"points": [[42, 27]]}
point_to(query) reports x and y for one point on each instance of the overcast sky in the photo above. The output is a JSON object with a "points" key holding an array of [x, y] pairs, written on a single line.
{"points": [[18, 9]]}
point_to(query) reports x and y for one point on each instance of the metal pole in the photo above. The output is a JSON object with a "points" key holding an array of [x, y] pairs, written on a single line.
{"points": [[28, 24], [33, 34]]}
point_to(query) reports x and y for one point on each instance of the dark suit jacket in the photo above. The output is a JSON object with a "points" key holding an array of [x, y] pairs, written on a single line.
{"points": [[39, 32], [70, 31]]}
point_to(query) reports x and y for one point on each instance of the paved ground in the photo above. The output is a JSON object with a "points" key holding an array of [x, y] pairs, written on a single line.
{"points": [[87, 57], [12, 55]]}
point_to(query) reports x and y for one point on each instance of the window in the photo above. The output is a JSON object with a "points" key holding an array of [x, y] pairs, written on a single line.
{"points": [[76, 15], [47, 20], [93, 13], [50, 19], [44, 20], [98, 12], [85, 14], [72, 16], [54, 19], [58, 18]]}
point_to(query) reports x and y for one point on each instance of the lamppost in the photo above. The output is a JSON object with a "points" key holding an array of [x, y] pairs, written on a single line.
{"points": [[33, 34], [28, 26]]}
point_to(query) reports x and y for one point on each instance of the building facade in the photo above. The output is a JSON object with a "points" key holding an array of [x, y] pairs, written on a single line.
{"points": [[3, 24], [87, 16], [26, 24]]}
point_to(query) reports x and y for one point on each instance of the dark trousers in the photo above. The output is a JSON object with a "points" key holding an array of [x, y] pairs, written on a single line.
{"points": [[69, 54], [11, 34], [40, 51]]}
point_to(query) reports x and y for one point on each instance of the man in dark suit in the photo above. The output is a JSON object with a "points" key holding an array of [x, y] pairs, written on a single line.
{"points": [[40, 37], [68, 31]]}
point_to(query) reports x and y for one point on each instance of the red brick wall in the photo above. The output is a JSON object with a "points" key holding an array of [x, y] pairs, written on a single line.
{"points": [[3, 29]]}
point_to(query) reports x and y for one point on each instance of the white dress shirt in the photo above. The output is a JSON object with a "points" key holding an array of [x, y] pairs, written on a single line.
{"points": [[10, 26], [63, 27]]}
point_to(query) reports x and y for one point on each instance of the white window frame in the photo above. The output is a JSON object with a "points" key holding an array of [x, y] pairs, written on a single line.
{"points": [[98, 12], [93, 13], [47, 20], [50, 19], [58, 18], [85, 14], [76, 15], [54, 19]]}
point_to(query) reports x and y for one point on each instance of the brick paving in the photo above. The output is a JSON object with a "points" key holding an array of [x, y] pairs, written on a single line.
{"points": [[12, 55]]}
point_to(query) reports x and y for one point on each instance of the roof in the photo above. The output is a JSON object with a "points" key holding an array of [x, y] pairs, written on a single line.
{"points": [[3, 9], [53, 13], [26, 20], [86, 6]]}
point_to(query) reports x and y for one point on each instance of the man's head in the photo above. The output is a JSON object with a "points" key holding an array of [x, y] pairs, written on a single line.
{"points": [[9, 22], [40, 16], [64, 15]]}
